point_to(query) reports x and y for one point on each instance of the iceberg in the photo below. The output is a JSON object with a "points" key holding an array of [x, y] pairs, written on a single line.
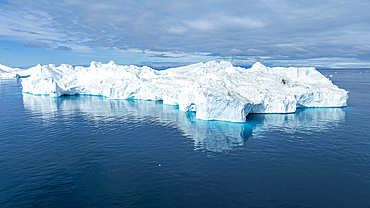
{"points": [[9, 72], [214, 90]]}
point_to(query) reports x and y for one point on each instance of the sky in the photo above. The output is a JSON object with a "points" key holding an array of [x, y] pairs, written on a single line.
{"points": [[160, 33]]}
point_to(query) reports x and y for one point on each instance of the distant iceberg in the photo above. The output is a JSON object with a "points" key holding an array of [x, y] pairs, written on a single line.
{"points": [[9, 72], [214, 90]]}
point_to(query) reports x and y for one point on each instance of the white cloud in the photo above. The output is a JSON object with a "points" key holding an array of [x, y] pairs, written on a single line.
{"points": [[245, 22], [177, 29], [203, 24], [363, 49]]}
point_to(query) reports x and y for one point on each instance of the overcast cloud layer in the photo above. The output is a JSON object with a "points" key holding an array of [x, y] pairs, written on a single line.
{"points": [[329, 33]]}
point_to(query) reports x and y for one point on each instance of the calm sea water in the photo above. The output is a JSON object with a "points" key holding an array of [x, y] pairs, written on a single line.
{"points": [[86, 151]]}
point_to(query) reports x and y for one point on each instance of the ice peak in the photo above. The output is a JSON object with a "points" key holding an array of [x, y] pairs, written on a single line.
{"points": [[95, 64], [259, 67], [112, 63]]}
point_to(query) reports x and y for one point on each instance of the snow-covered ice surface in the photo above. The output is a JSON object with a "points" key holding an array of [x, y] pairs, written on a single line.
{"points": [[215, 90], [9, 72]]}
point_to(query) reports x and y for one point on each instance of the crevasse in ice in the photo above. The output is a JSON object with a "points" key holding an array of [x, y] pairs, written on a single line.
{"points": [[215, 90]]}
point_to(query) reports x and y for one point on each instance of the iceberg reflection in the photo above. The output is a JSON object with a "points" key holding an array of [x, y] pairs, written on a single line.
{"points": [[216, 136], [305, 120]]}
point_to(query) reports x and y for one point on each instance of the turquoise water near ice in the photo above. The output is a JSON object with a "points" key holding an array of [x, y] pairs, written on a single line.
{"points": [[88, 151]]}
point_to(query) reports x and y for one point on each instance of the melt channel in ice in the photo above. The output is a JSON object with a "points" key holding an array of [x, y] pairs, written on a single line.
{"points": [[215, 90]]}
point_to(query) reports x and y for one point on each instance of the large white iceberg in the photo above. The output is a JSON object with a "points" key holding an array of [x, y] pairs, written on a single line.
{"points": [[215, 90]]}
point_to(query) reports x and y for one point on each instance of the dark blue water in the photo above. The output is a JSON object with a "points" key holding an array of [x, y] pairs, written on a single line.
{"points": [[83, 151]]}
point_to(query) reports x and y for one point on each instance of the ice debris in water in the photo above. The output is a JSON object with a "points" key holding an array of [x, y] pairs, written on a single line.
{"points": [[215, 90]]}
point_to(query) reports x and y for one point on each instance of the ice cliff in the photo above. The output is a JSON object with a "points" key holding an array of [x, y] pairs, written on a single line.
{"points": [[215, 90]]}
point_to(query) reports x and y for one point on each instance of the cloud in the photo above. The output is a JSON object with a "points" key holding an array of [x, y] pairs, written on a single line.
{"points": [[277, 29], [255, 52], [36, 45], [51, 45], [363, 49], [202, 24], [235, 51], [63, 48], [177, 29]]}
